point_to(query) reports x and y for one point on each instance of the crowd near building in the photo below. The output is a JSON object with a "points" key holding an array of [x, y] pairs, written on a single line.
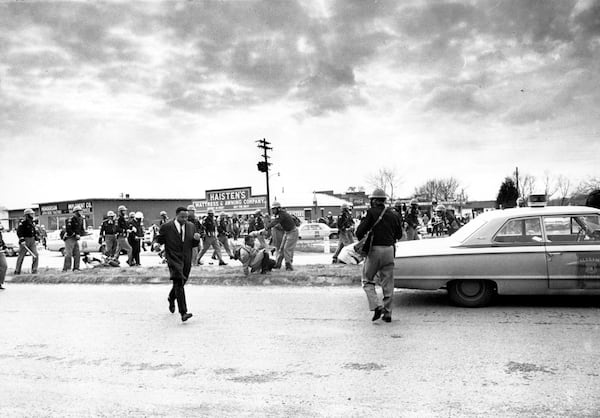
{"points": [[239, 201]]}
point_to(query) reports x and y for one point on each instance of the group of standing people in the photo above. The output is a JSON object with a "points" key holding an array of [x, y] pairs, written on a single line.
{"points": [[181, 236]]}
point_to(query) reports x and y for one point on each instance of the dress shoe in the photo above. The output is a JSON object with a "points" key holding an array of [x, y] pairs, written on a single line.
{"points": [[377, 313], [1, 287], [289, 267], [387, 317], [171, 305], [222, 263], [186, 316]]}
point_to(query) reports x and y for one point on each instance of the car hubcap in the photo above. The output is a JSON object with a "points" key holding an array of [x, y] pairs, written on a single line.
{"points": [[470, 288]]}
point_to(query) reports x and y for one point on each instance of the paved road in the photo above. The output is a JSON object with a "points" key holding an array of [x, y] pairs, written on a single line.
{"points": [[89, 350]]}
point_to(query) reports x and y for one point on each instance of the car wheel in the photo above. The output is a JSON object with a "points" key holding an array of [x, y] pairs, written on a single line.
{"points": [[62, 251], [11, 252], [333, 236], [471, 293], [102, 248]]}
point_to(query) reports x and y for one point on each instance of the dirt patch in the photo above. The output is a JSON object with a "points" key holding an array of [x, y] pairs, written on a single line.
{"points": [[526, 369], [363, 366], [257, 378]]}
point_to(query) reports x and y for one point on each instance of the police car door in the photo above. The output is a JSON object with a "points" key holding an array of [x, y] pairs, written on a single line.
{"points": [[572, 252]]}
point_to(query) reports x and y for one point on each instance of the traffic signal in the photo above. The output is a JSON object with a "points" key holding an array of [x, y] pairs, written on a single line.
{"points": [[262, 166]]}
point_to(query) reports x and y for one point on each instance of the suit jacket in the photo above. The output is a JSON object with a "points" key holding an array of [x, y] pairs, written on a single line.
{"points": [[178, 252]]}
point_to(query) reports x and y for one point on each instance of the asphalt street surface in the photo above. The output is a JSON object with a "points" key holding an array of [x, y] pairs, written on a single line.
{"points": [[110, 350]]}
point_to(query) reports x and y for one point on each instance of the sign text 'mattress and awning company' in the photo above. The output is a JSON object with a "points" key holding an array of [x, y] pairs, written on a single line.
{"points": [[231, 200]]}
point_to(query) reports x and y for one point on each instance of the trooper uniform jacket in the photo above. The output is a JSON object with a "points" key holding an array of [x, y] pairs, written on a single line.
{"points": [[386, 232], [108, 227], [122, 226], [74, 226], [197, 224], [210, 226], [26, 228], [345, 221]]}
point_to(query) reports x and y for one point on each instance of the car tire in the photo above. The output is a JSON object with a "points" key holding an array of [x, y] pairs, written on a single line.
{"points": [[471, 293], [102, 249], [333, 236], [62, 252]]}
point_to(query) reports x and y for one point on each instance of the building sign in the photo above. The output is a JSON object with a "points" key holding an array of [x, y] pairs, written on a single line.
{"points": [[231, 200], [65, 208]]}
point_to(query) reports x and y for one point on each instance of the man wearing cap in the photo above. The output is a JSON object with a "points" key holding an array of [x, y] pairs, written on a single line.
{"points": [[108, 231], [290, 235], [386, 229], [27, 243], [412, 221], [179, 237], [137, 232], [210, 239], [3, 264], [345, 226], [74, 231], [191, 209], [122, 232]]}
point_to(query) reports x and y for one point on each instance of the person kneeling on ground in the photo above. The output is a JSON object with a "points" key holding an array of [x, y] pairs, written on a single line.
{"points": [[253, 259]]}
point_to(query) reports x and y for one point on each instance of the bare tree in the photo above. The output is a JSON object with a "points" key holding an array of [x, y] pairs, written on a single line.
{"points": [[386, 179], [588, 185], [438, 189], [563, 186], [526, 185], [549, 185]]}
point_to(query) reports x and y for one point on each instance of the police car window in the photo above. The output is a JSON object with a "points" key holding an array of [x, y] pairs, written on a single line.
{"points": [[572, 229], [527, 230]]}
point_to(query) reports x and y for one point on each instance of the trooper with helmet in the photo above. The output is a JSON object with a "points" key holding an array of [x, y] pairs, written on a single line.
{"points": [[382, 228], [224, 232], [290, 235], [164, 218], [27, 233], [210, 238], [412, 221], [73, 232], [122, 233], [136, 236], [345, 226], [191, 209], [108, 234]]}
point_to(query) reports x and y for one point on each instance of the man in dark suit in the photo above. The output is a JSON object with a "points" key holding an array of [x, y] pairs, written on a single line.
{"points": [[178, 236]]}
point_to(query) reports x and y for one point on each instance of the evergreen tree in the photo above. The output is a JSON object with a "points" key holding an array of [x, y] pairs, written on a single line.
{"points": [[507, 195]]}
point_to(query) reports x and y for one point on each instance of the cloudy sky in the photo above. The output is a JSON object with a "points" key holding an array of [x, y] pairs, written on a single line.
{"points": [[167, 99]]}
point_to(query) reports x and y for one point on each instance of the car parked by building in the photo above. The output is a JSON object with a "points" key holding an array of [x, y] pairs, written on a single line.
{"points": [[521, 251], [316, 230], [87, 243], [11, 240]]}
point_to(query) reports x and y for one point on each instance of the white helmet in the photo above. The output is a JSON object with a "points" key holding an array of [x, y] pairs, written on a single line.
{"points": [[139, 215], [28, 211], [110, 213]]}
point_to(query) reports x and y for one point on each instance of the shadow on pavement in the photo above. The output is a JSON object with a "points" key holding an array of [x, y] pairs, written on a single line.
{"points": [[440, 298]]}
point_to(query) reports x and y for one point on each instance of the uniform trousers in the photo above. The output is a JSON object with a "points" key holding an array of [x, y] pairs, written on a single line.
{"points": [[3, 268], [345, 238], [210, 240], [32, 245], [379, 262], [225, 241], [122, 244], [71, 252], [110, 245], [288, 244]]}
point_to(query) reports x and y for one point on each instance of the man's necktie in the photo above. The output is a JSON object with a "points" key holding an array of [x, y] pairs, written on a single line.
{"points": [[182, 234]]}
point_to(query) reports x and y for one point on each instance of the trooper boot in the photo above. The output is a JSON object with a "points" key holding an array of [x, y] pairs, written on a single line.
{"points": [[288, 267]]}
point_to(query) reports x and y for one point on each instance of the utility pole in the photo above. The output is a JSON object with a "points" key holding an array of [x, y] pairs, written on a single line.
{"points": [[263, 167], [517, 178]]}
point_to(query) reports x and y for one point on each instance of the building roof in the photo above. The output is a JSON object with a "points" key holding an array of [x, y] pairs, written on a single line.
{"points": [[308, 199]]}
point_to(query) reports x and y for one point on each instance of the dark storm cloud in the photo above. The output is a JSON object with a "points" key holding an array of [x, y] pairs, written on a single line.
{"points": [[219, 55]]}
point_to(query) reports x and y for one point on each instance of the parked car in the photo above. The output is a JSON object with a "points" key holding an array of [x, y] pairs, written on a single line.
{"points": [[521, 251], [12, 243], [87, 243], [316, 230]]}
